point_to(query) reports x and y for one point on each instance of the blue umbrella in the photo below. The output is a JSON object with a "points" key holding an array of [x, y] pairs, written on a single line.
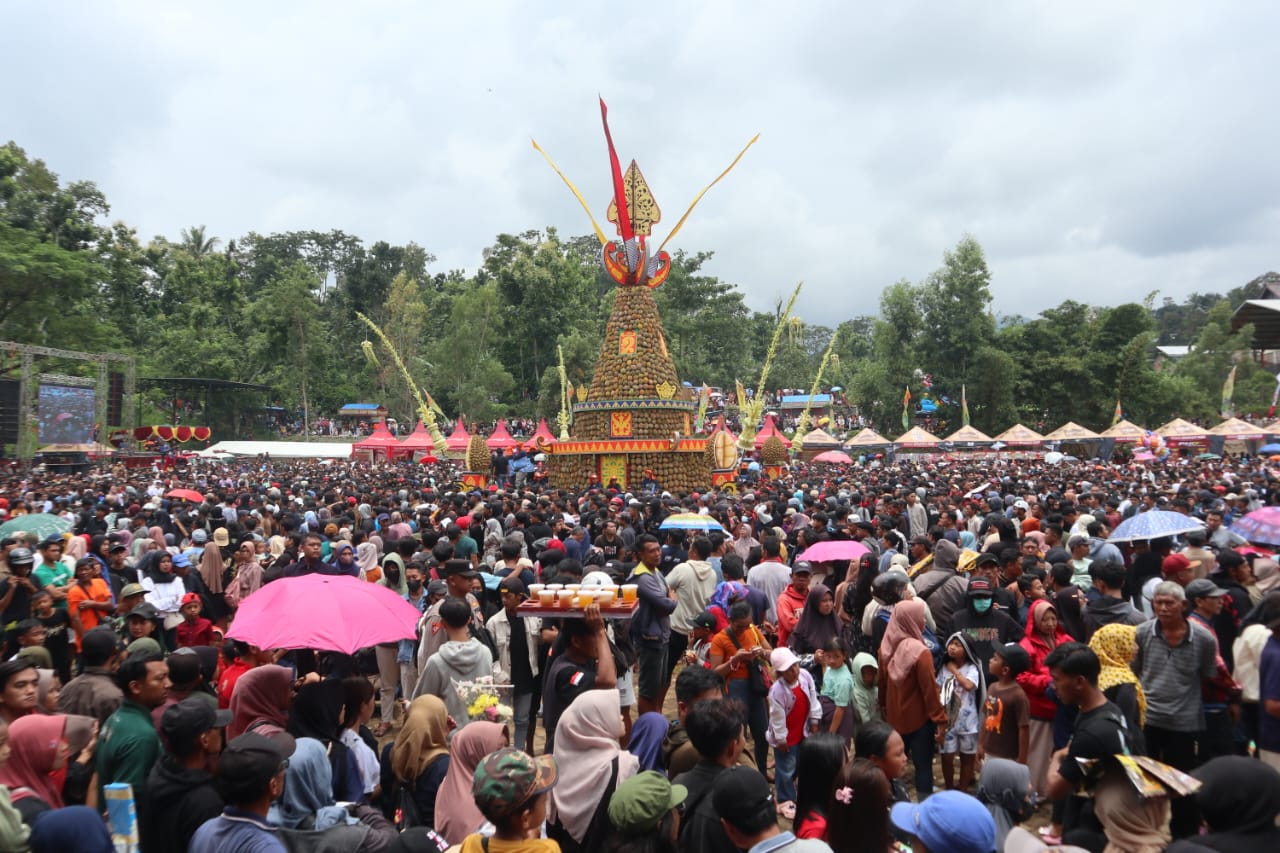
{"points": [[1269, 448], [689, 521], [1153, 525]]}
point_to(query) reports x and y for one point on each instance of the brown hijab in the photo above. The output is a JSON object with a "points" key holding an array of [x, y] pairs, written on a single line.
{"points": [[423, 739], [212, 567]]}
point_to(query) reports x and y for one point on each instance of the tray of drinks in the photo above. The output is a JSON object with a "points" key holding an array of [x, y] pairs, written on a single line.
{"points": [[570, 601]]}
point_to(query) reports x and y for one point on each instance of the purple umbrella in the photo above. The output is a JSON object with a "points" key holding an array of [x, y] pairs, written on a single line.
{"points": [[1261, 527]]}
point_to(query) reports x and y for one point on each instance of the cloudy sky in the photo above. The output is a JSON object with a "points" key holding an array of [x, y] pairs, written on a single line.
{"points": [[1098, 151]]}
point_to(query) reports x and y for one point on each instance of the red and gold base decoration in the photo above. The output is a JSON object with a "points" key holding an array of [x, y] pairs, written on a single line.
{"points": [[180, 434], [775, 472], [472, 480]]}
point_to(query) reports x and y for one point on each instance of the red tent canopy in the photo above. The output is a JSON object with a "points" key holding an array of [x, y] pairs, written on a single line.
{"points": [[501, 438], [542, 432], [458, 439], [382, 441], [722, 427], [418, 440], [770, 428]]}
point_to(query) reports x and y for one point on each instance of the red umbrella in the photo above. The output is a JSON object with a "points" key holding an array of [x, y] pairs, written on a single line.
{"points": [[837, 457], [186, 495], [333, 613]]}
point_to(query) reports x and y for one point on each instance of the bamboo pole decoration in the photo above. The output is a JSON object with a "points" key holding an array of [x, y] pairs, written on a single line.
{"points": [[424, 410], [755, 408], [802, 426], [564, 417]]}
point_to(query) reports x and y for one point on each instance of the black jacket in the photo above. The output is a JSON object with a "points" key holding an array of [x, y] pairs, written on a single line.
{"points": [[178, 800]]}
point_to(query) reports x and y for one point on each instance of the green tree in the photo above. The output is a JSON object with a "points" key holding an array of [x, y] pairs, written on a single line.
{"points": [[955, 304], [470, 375]]}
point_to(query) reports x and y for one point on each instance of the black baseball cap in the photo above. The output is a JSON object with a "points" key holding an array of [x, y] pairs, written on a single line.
{"points": [[254, 757], [987, 559], [462, 568], [740, 795], [1015, 657], [190, 718], [145, 610]]}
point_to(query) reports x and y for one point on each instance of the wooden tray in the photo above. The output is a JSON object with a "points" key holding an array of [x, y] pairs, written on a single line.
{"points": [[617, 609]]}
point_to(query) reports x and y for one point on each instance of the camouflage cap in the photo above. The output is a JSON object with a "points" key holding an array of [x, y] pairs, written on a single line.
{"points": [[509, 778]]}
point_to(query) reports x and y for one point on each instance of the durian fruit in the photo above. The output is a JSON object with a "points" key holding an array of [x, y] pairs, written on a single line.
{"points": [[477, 454], [773, 452]]}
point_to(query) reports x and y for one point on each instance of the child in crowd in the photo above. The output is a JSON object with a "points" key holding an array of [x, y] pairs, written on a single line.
{"points": [[193, 630], [866, 695], [510, 789], [1006, 729], [358, 702], [704, 627], [837, 685], [57, 629], [794, 713], [963, 692]]}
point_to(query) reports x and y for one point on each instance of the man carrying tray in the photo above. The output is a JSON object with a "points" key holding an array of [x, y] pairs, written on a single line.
{"points": [[586, 663]]}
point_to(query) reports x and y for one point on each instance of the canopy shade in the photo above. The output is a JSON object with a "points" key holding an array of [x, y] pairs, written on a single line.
{"points": [[867, 437], [917, 437], [459, 438], [542, 434], [1124, 432], [382, 441], [1178, 430], [1239, 430], [819, 438], [1071, 431], [1020, 436], [770, 428], [501, 438], [968, 435]]}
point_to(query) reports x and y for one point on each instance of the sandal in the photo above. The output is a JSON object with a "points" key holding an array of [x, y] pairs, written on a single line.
{"points": [[381, 729]]}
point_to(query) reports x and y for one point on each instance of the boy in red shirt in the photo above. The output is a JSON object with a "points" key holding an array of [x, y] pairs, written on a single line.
{"points": [[193, 630]]}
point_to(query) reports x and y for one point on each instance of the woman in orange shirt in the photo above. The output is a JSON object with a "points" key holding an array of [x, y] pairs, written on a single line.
{"points": [[733, 650], [88, 599]]}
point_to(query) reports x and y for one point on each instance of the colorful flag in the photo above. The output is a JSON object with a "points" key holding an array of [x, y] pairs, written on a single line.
{"points": [[1228, 391], [906, 401], [964, 407], [1119, 413]]}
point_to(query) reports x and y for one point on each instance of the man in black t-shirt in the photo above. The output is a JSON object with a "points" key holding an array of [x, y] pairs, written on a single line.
{"points": [[1101, 731], [584, 663], [17, 589]]}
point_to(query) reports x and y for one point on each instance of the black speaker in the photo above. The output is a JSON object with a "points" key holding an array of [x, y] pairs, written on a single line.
{"points": [[10, 395], [115, 399]]}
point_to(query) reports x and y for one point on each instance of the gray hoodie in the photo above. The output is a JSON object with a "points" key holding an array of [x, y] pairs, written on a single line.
{"points": [[455, 661], [693, 582]]}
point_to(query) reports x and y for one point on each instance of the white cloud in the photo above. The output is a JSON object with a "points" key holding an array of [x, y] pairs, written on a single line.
{"points": [[1097, 153]]}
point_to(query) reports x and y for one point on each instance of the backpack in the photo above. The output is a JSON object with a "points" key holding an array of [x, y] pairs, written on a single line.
{"points": [[930, 639]]}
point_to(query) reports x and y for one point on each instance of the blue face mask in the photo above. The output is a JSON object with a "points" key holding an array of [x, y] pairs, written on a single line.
{"points": [[982, 604]]}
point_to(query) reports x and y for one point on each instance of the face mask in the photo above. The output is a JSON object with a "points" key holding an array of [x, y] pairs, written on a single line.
{"points": [[415, 585], [982, 605]]}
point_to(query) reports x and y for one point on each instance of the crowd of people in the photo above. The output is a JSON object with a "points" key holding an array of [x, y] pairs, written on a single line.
{"points": [[983, 636]]}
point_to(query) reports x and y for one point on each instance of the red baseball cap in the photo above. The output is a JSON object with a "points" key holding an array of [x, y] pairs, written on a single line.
{"points": [[190, 598]]}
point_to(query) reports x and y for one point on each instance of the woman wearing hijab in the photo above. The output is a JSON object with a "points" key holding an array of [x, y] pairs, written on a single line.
{"points": [[1042, 636], [1239, 799], [1115, 645], [647, 734], [309, 818], [75, 548], [1133, 824], [743, 541], [591, 766], [317, 714], [909, 699], [417, 761], [456, 813], [492, 541], [727, 592], [77, 828], [367, 558], [248, 570], [164, 591], [1005, 789], [260, 701], [37, 766], [818, 623], [344, 559]]}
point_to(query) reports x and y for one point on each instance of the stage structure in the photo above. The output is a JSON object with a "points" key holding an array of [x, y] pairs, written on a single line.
{"points": [[90, 404], [634, 421]]}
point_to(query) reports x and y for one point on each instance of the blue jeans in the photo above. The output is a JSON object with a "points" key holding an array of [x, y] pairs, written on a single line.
{"points": [[523, 702], [784, 774], [920, 746]]}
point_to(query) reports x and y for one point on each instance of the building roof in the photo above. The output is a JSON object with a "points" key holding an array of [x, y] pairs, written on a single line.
{"points": [[799, 401], [361, 408], [1173, 351], [1264, 316]]}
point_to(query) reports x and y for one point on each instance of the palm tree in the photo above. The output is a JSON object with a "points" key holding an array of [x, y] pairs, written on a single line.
{"points": [[195, 243]]}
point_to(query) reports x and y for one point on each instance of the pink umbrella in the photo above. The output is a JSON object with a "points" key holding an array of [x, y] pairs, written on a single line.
{"points": [[836, 549], [334, 613], [837, 457]]}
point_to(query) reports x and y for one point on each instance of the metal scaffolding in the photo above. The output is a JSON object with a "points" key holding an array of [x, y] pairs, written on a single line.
{"points": [[101, 383]]}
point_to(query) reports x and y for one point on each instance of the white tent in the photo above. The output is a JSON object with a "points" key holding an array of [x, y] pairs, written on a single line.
{"points": [[281, 449]]}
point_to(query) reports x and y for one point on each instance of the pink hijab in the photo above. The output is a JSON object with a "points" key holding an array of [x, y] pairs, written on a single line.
{"points": [[903, 639], [456, 813], [34, 743], [157, 536], [587, 738], [262, 693], [76, 547]]}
